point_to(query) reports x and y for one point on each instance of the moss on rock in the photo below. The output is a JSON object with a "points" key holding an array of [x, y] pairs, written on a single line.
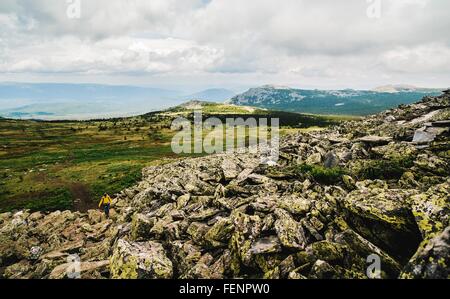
{"points": [[145, 260]]}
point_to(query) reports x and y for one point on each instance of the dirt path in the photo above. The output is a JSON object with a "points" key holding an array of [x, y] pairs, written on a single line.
{"points": [[82, 200]]}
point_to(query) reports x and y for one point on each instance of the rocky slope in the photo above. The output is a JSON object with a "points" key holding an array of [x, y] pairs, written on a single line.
{"points": [[377, 186]]}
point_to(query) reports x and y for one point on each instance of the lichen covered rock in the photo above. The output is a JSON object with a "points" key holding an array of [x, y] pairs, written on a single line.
{"points": [[143, 260], [141, 226], [431, 209], [290, 232], [432, 259], [384, 218]]}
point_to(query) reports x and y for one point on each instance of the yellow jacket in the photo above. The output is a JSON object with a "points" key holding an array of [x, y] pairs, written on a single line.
{"points": [[105, 200]]}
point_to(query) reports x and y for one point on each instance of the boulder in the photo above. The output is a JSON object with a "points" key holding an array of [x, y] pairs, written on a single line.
{"points": [[247, 229], [140, 226], [432, 259], [295, 205], [4, 217], [331, 160], [183, 200], [96, 251], [36, 216], [95, 216], [72, 246], [197, 232], [395, 150], [383, 217], [349, 182], [408, 180], [428, 134], [374, 140], [313, 159], [204, 214], [431, 209], [185, 255], [289, 231], [269, 244], [230, 169], [287, 266], [11, 251], [18, 270], [142, 260], [322, 270], [327, 251], [359, 249], [220, 233], [202, 269], [160, 226]]}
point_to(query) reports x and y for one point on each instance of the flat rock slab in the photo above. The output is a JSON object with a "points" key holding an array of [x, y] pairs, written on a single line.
{"points": [[269, 244], [375, 140], [424, 118], [428, 134]]}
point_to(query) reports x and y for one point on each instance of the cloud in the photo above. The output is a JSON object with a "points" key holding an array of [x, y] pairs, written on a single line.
{"points": [[432, 58], [112, 55], [292, 40]]}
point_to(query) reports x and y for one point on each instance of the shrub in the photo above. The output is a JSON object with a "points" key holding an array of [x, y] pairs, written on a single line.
{"points": [[321, 174], [384, 169], [155, 135]]}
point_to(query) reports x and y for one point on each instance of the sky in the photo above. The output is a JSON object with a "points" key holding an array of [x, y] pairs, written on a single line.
{"points": [[234, 44]]}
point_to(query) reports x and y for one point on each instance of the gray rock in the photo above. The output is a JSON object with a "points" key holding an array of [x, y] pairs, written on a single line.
{"points": [[428, 134], [140, 260], [269, 244], [289, 231], [230, 169], [384, 218], [331, 160], [432, 259], [375, 140]]}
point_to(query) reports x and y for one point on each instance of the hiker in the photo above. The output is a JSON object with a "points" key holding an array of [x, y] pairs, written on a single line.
{"points": [[106, 202]]}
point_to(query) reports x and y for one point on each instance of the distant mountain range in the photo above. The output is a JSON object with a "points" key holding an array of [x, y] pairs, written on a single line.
{"points": [[52, 101], [84, 101], [339, 102]]}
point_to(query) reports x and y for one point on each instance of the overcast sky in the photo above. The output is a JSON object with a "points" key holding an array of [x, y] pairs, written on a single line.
{"points": [[195, 44]]}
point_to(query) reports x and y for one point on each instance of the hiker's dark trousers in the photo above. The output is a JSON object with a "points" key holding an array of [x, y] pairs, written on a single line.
{"points": [[107, 206]]}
